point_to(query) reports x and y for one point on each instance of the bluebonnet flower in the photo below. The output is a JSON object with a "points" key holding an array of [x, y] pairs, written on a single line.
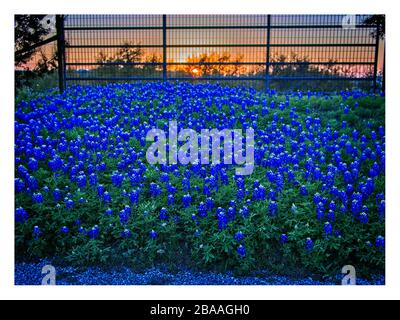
{"points": [[64, 230], [186, 200], [93, 179], [21, 215], [365, 209], [153, 234], [241, 250], [222, 219], [124, 216], [224, 177], [100, 190], [126, 234], [303, 190], [155, 189], [22, 170], [381, 209], [170, 189], [209, 203], [164, 177], [55, 164], [328, 229], [240, 194], [32, 183], [239, 236], [36, 232], [202, 209], [348, 179], [320, 210], [163, 214], [37, 198], [244, 211], [82, 200], [94, 232], [273, 208], [260, 193], [309, 244], [356, 207], [117, 179], [171, 199], [19, 185], [364, 218], [81, 181], [134, 196], [379, 197], [186, 184], [57, 194], [231, 213], [106, 197], [81, 230], [194, 218], [317, 198], [272, 195], [240, 183], [284, 238], [109, 212], [331, 215], [380, 242], [349, 189], [69, 204], [33, 164]]}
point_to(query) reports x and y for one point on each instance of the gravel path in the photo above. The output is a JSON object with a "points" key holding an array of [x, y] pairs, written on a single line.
{"points": [[31, 274]]}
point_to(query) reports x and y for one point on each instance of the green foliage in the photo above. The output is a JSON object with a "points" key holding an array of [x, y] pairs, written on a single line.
{"points": [[213, 249]]}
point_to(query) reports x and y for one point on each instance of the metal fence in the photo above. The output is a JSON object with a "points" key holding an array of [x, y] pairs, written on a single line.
{"points": [[274, 51]]}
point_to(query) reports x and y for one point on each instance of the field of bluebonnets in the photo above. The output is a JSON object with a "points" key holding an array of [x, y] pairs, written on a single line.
{"points": [[85, 193]]}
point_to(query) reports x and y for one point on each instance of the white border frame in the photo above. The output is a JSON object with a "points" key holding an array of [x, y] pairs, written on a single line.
{"points": [[392, 288]]}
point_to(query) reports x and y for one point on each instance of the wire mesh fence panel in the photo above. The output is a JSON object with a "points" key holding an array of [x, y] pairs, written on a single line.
{"points": [[275, 51]]}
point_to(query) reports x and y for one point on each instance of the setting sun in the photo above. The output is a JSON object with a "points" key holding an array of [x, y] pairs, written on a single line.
{"points": [[195, 71]]}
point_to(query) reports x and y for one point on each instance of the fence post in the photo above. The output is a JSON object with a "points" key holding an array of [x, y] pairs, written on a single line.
{"points": [[60, 52], [376, 57], [164, 19], [267, 64]]}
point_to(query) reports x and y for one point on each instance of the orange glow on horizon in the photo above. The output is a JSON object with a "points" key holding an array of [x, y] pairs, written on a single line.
{"points": [[195, 72]]}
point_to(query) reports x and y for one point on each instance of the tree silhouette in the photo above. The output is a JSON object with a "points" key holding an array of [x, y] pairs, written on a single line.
{"points": [[378, 20], [29, 30]]}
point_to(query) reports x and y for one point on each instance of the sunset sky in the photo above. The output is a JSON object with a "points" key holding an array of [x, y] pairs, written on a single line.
{"points": [[187, 43]]}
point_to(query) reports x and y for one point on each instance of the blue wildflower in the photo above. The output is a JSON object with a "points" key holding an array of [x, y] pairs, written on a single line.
{"points": [[284, 238], [303, 190], [364, 218], [36, 232], [37, 198], [239, 236], [309, 244], [21, 215], [153, 234], [94, 232], [328, 229], [64, 230], [186, 200], [241, 250], [163, 214], [126, 234], [380, 242]]}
